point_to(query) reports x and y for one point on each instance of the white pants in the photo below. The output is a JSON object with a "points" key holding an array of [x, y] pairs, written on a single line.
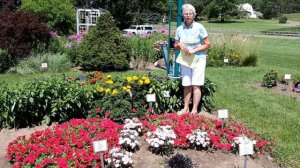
{"points": [[194, 76]]}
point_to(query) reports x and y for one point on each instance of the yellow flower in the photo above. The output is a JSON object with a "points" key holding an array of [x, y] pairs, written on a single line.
{"points": [[107, 90], [109, 82], [135, 78], [129, 79], [141, 82], [128, 87], [147, 81], [124, 88], [108, 76], [115, 91], [144, 77], [100, 89], [128, 90]]}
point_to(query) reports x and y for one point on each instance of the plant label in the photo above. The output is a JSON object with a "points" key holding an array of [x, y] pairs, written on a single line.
{"points": [[166, 93], [246, 149], [130, 94], [287, 76], [151, 98], [100, 146], [223, 113], [226, 60], [44, 65]]}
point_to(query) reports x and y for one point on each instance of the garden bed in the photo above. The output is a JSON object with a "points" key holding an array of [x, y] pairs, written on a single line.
{"points": [[144, 158], [280, 89]]}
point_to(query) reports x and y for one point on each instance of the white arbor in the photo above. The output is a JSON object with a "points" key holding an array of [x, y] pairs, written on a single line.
{"points": [[86, 18]]}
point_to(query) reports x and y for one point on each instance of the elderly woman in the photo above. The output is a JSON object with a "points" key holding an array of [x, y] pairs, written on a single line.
{"points": [[192, 40]]}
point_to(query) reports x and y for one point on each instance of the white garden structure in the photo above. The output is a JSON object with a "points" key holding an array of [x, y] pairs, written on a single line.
{"points": [[86, 18]]}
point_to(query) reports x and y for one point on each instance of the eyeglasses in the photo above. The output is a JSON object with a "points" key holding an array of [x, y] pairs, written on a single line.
{"points": [[188, 14]]}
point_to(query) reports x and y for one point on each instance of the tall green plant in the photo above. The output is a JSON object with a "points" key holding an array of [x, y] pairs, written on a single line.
{"points": [[104, 48], [60, 14]]}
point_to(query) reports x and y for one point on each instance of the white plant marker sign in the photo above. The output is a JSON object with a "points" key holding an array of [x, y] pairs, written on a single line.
{"points": [[226, 60], [150, 98], [44, 65], [246, 149], [222, 114], [166, 94], [100, 146], [287, 76]]}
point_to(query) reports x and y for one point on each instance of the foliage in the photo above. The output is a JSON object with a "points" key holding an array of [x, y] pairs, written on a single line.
{"points": [[283, 19], [120, 98], [179, 161], [142, 46], [5, 61], [46, 100], [251, 60], [270, 79], [60, 14], [239, 50], [103, 48], [55, 63], [221, 8], [28, 33]]}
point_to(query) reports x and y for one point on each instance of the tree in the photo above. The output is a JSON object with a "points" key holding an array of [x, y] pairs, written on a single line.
{"points": [[21, 32], [104, 48], [60, 14], [222, 9]]}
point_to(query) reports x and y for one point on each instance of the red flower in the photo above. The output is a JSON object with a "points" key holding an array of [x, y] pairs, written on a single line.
{"points": [[133, 110], [98, 110]]}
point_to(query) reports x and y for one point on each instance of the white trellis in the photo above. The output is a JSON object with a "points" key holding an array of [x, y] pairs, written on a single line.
{"points": [[87, 18]]}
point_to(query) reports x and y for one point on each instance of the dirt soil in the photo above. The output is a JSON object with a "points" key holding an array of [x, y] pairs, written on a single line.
{"points": [[145, 159], [281, 89]]}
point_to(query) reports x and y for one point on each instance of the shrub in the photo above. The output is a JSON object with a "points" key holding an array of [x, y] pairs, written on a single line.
{"points": [[270, 79], [104, 48], [5, 61], [283, 19], [251, 60], [60, 14], [239, 50], [175, 102], [56, 63], [46, 100], [179, 161], [21, 32], [142, 46]]}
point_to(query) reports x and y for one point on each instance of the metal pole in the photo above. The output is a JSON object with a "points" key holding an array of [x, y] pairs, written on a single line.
{"points": [[245, 162], [169, 34], [102, 161], [179, 22]]}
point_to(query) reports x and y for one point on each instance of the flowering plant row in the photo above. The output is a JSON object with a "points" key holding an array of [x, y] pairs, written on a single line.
{"points": [[70, 144], [193, 131]]}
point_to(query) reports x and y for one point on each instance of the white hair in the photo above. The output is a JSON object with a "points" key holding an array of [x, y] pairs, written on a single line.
{"points": [[186, 7]]}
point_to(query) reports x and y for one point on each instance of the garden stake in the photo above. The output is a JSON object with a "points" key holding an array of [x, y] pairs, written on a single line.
{"points": [[245, 162], [222, 123], [101, 158], [150, 106]]}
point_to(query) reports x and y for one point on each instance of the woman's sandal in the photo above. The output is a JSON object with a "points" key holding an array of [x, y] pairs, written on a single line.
{"points": [[181, 112]]}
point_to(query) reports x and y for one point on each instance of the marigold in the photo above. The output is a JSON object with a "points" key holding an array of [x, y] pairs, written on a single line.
{"points": [[129, 79], [110, 82], [115, 91], [141, 82], [147, 81], [128, 87], [100, 89], [135, 78], [108, 90]]}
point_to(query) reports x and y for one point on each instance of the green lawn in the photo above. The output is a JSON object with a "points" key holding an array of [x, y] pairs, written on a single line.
{"points": [[293, 16], [273, 115]]}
